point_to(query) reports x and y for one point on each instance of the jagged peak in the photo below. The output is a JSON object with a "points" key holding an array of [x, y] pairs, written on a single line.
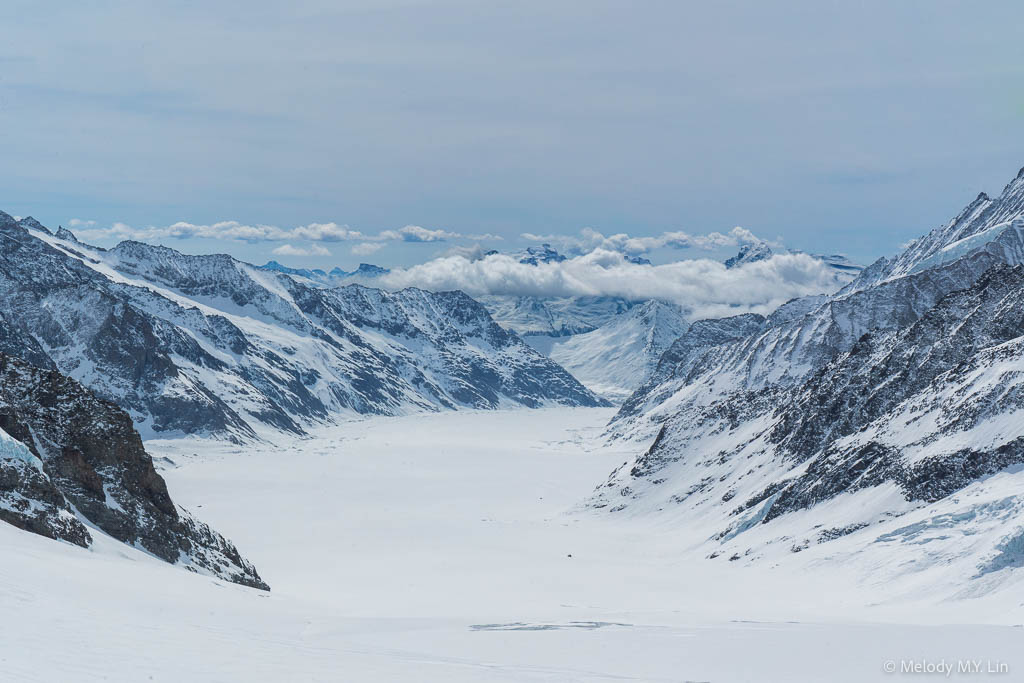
{"points": [[749, 253], [134, 247], [370, 270], [31, 223], [7, 219], [65, 234]]}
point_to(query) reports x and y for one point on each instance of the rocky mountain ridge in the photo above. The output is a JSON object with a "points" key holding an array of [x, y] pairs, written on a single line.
{"points": [[889, 415], [211, 345]]}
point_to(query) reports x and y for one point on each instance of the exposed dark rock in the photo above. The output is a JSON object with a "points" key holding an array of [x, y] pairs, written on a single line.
{"points": [[92, 457]]}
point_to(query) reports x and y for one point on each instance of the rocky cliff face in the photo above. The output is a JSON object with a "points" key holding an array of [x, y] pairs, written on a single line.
{"points": [[840, 416], [210, 345], [68, 456]]}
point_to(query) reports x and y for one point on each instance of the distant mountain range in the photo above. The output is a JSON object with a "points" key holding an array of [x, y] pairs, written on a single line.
{"points": [[212, 345], [332, 278], [613, 344]]}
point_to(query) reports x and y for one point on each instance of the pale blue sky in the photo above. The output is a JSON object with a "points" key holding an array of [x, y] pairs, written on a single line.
{"points": [[836, 126]]}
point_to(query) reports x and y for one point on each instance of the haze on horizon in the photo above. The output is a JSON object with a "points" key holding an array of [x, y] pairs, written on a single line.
{"points": [[828, 126]]}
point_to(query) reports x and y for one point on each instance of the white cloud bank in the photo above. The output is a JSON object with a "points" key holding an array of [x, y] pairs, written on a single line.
{"points": [[367, 248], [233, 230], [590, 240], [704, 287], [312, 250]]}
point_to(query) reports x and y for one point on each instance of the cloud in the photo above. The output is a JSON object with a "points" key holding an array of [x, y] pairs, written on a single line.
{"points": [[312, 250], [226, 230], [706, 288], [234, 230], [367, 248], [415, 233], [590, 240], [472, 252]]}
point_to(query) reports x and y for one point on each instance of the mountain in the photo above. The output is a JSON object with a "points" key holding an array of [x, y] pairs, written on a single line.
{"points": [[316, 274], [749, 253], [890, 414], [212, 345], [702, 335], [844, 269], [553, 316], [67, 457], [619, 356], [543, 254], [335, 277], [979, 225], [366, 270]]}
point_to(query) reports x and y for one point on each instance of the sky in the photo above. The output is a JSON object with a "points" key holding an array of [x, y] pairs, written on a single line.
{"points": [[324, 134]]}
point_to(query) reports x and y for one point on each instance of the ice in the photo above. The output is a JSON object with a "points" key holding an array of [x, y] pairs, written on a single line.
{"points": [[436, 548]]}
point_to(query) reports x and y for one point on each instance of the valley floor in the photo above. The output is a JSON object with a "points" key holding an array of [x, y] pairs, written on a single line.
{"points": [[450, 548]]}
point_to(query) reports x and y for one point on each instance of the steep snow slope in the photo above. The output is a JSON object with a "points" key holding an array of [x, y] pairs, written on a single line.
{"points": [[913, 437], [980, 216], [619, 356], [804, 334], [208, 344], [896, 403]]}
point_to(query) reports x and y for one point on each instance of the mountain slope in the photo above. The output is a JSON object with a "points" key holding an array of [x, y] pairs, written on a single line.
{"points": [[838, 415], [617, 357], [983, 218], [554, 317], [211, 345], [68, 457]]}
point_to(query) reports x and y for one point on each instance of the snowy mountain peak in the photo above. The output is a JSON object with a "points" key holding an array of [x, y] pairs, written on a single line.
{"points": [[543, 254], [749, 253], [310, 274], [369, 270], [65, 234], [316, 276], [30, 223], [980, 217], [7, 221]]}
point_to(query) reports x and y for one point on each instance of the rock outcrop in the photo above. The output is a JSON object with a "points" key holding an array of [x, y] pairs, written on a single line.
{"points": [[68, 456]]}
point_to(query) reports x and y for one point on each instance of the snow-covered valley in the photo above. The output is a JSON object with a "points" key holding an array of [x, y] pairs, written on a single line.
{"points": [[453, 547]]}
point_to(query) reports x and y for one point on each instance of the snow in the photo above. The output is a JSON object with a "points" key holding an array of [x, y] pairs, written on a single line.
{"points": [[437, 548], [11, 448], [962, 247], [618, 357]]}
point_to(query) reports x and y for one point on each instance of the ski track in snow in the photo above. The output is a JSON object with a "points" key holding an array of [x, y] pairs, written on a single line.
{"points": [[436, 548]]}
